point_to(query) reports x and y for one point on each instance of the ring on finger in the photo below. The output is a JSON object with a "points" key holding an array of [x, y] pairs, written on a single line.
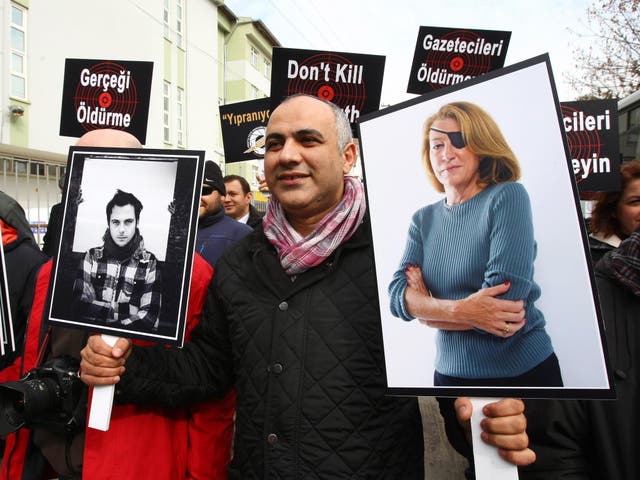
{"points": [[507, 328]]}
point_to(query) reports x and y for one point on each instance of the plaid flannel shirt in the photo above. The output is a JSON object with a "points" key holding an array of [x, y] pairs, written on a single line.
{"points": [[119, 292]]}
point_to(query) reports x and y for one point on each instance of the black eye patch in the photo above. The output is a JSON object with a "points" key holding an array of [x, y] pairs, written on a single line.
{"points": [[454, 137]]}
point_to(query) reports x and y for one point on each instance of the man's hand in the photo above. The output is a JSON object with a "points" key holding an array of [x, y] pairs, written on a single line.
{"points": [[262, 184], [504, 427], [78, 200], [102, 364]]}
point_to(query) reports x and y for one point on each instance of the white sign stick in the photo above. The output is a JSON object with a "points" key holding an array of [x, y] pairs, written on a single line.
{"points": [[488, 464], [102, 400]]}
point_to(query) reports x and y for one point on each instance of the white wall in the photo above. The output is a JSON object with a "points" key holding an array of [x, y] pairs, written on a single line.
{"points": [[203, 121], [121, 30]]}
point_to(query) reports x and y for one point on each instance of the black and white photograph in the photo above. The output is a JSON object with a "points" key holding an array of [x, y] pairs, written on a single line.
{"points": [[484, 277], [126, 250]]}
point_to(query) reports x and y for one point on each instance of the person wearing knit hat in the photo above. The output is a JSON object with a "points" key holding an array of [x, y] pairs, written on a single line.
{"points": [[213, 177], [216, 231]]}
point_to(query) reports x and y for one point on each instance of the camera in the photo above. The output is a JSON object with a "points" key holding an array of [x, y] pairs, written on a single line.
{"points": [[49, 397]]}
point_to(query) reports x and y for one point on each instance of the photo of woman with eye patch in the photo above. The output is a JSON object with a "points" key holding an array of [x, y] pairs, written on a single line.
{"points": [[468, 264]]}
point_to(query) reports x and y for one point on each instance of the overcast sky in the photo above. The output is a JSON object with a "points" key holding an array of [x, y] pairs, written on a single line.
{"points": [[391, 29]]}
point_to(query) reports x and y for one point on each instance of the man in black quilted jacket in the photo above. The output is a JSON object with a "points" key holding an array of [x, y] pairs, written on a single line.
{"points": [[293, 323]]}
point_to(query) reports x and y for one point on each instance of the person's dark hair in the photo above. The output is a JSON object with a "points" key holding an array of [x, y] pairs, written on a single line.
{"points": [[603, 216], [246, 188], [121, 199]]}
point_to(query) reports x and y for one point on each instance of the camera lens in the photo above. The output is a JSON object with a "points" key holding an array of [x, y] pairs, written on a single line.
{"points": [[24, 399], [40, 395]]}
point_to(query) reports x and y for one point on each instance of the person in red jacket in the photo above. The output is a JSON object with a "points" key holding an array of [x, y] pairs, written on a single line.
{"points": [[143, 441], [23, 259]]}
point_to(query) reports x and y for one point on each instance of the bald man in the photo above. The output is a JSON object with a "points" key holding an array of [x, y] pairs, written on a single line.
{"points": [[108, 138]]}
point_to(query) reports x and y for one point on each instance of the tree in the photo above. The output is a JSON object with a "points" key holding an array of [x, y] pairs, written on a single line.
{"points": [[607, 58]]}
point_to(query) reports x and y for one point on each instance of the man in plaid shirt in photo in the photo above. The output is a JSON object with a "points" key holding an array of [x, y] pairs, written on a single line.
{"points": [[119, 282]]}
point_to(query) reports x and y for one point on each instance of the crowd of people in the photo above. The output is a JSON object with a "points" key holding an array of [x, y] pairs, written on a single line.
{"points": [[282, 372]]}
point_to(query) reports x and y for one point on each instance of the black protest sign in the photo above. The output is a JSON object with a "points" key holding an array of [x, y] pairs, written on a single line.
{"points": [[243, 128], [352, 81], [446, 56], [591, 129], [105, 94]]}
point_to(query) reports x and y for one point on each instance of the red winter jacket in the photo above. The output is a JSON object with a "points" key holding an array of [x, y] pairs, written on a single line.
{"points": [[145, 441]]}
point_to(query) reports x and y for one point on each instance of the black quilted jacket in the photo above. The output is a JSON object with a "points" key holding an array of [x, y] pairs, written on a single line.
{"points": [[307, 362]]}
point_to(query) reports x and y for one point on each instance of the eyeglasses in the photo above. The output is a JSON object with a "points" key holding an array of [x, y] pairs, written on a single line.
{"points": [[454, 137], [207, 190]]}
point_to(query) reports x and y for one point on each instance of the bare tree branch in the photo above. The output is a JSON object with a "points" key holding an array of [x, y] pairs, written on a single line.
{"points": [[607, 55]]}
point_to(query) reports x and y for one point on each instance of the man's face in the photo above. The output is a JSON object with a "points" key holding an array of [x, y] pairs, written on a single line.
{"points": [[210, 202], [122, 224], [236, 203], [303, 166]]}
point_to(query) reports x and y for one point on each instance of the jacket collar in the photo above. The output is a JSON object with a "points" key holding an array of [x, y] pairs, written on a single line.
{"points": [[268, 268], [612, 240], [211, 219]]}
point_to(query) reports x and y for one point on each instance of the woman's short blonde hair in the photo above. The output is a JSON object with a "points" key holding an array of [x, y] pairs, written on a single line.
{"points": [[482, 136]]}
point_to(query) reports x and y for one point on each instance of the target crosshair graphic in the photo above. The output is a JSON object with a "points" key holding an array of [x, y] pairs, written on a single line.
{"points": [[340, 93], [111, 100], [454, 62], [582, 144]]}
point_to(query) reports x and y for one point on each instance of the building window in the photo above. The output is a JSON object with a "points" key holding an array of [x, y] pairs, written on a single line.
{"points": [[166, 97], [37, 168], [18, 68], [180, 116], [266, 68], [165, 20], [20, 166], [255, 93], [179, 22], [254, 57]]}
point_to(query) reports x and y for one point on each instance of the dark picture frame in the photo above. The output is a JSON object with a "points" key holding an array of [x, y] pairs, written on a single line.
{"points": [[168, 184]]}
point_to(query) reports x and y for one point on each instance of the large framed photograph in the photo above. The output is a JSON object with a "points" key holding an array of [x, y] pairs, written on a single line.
{"points": [[126, 250], [473, 205]]}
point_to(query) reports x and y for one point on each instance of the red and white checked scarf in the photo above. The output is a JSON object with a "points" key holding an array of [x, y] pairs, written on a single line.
{"points": [[296, 254]]}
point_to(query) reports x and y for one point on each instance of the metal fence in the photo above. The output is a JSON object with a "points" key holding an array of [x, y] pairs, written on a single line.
{"points": [[34, 184], [260, 206]]}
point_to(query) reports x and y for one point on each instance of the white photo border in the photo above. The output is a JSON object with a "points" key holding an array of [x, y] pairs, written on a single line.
{"points": [[522, 99], [184, 196]]}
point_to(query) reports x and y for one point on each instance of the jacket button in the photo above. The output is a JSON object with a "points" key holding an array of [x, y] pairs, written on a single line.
{"points": [[283, 306], [272, 439], [621, 374], [277, 368]]}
